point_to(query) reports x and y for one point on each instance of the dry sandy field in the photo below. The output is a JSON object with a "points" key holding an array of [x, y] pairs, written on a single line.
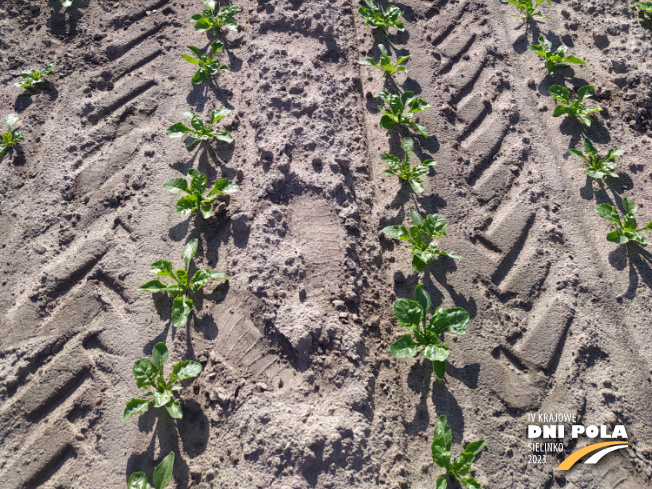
{"points": [[298, 388]]}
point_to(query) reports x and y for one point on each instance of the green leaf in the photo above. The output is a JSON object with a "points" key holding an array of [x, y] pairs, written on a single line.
{"points": [[223, 186], [160, 355], [206, 210], [585, 92], [617, 237], [418, 264], [187, 369], [153, 286], [162, 397], [470, 483], [573, 59], [439, 369], [435, 225], [186, 205], [138, 480], [609, 212], [200, 76], [190, 59], [176, 289], [422, 297], [559, 111], [174, 408], [189, 251], [177, 130], [395, 232], [162, 268], [219, 114], [475, 447], [629, 205], [220, 276], [408, 313], [436, 353], [416, 185], [135, 406], [422, 129], [404, 347], [176, 185], [200, 279], [453, 320], [441, 443], [387, 123], [66, 3], [560, 93], [145, 373], [163, 472], [181, 309], [407, 144], [629, 222], [198, 181], [442, 482], [11, 120]]}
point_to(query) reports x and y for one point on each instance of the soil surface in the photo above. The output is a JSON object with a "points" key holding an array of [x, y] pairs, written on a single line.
{"points": [[298, 388]]}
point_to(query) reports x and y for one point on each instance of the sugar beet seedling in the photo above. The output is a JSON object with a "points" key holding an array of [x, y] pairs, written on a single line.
{"points": [[583, 114], [528, 8], [554, 60], [403, 170], [34, 79], [598, 168], [626, 229], [182, 305], [195, 190], [459, 468], [207, 63], [198, 130], [379, 19], [160, 479], [402, 109], [421, 237], [385, 63], [210, 19], [10, 137], [149, 373], [412, 315]]}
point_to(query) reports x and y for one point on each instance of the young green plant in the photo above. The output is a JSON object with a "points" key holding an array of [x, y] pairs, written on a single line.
{"points": [[412, 315], [198, 130], [210, 19], [11, 136], [528, 8], [644, 7], [458, 469], [627, 229], [207, 63], [402, 109], [160, 479], [553, 60], [195, 190], [403, 170], [421, 238], [583, 114], [385, 63], [377, 18], [182, 285], [35, 79], [598, 168], [149, 374]]}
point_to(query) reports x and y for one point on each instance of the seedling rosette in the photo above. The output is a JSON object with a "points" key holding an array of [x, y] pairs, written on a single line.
{"points": [[182, 285], [459, 468], [198, 130], [627, 229], [149, 374], [412, 315], [161, 478], [575, 109], [195, 190], [34, 79], [401, 111], [598, 168], [421, 236], [528, 8], [553, 60], [385, 63], [207, 63], [210, 19], [10, 137], [377, 18], [403, 170]]}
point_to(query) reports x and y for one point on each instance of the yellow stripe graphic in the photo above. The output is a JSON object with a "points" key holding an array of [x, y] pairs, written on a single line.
{"points": [[575, 456]]}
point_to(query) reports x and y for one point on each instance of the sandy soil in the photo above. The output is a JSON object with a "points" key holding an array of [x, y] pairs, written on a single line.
{"points": [[299, 389]]}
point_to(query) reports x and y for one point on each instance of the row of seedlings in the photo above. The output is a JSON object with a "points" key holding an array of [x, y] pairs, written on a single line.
{"points": [[426, 332]]}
